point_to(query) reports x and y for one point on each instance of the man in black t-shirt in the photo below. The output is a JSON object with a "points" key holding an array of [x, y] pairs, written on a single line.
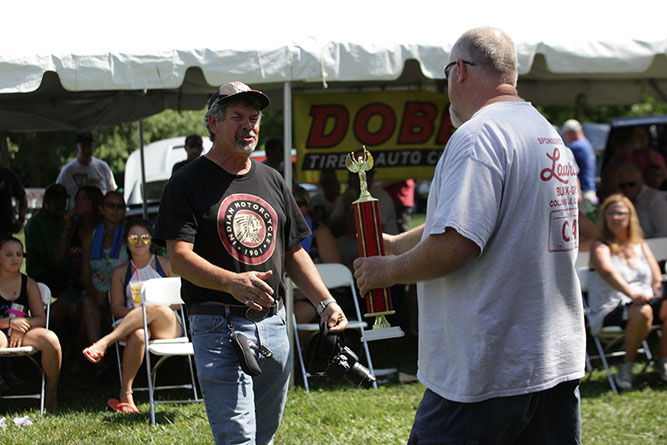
{"points": [[193, 147], [232, 230], [11, 187]]}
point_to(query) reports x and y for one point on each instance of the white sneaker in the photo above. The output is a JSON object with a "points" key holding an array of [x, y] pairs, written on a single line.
{"points": [[661, 367], [623, 375]]}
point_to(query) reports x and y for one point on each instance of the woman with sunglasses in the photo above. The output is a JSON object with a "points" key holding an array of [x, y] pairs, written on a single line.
{"points": [[626, 291], [101, 253], [163, 322]]}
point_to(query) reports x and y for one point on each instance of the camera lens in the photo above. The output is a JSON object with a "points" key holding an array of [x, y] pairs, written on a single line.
{"points": [[360, 375], [342, 361]]}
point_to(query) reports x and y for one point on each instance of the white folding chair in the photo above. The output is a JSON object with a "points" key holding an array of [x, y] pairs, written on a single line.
{"points": [[334, 275], [659, 247], [119, 361], [166, 291], [30, 352], [609, 342]]}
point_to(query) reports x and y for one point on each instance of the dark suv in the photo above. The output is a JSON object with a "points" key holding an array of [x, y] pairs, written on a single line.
{"points": [[627, 136]]}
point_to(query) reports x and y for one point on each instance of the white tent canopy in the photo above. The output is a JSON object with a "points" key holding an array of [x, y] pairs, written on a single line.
{"points": [[70, 65]]}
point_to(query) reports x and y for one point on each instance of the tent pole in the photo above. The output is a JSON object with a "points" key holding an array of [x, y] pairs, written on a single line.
{"points": [[287, 139], [144, 205], [287, 130]]}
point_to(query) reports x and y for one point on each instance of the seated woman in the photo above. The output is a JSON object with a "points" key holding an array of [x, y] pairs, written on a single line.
{"points": [[26, 331], [163, 322], [626, 291], [320, 245], [66, 319], [101, 253]]}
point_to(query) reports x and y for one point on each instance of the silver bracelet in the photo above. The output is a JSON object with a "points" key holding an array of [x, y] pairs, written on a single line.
{"points": [[322, 305]]}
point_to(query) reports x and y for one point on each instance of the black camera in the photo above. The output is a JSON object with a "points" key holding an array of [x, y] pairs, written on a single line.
{"points": [[331, 356]]}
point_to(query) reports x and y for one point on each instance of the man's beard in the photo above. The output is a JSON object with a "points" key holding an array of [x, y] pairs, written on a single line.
{"points": [[456, 120], [242, 146]]}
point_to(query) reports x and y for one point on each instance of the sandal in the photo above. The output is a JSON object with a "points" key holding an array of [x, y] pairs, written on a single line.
{"points": [[117, 406]]}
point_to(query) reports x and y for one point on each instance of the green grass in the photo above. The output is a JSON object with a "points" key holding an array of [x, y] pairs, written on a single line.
{"points": [[332, 413]]}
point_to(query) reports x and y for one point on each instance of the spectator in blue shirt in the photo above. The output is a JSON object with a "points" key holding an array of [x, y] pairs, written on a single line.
{"points": [[584, 154]]}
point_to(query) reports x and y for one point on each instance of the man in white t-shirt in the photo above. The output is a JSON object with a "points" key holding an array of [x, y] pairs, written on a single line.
{"points": [[85, 169], [501, 326]]}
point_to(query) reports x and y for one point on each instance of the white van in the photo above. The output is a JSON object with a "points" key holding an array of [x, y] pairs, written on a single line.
{"points": [[159, 159]]}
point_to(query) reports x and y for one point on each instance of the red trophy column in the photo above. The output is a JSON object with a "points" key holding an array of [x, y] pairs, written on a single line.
{"points": [[369, 236]]}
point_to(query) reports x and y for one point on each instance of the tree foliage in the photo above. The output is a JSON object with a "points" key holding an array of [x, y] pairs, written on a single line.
{"points": [[37, 157], [585, 112]]}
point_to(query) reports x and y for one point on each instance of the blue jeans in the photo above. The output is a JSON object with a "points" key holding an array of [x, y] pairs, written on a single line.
{"points": [[242, 409], [551, 416]]}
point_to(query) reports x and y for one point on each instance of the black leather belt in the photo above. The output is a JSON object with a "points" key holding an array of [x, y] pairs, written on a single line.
{"points": [[213, 308]]}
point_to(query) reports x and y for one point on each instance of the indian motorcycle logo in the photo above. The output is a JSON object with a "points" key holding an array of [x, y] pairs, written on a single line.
{"points": [[246, 225]]}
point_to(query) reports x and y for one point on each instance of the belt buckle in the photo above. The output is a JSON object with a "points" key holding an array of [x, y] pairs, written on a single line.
{"points": [[254, 315]]}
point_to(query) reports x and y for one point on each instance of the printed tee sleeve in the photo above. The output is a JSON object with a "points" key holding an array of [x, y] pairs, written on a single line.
{"points": [[111, 181], [469, 196], [176, 219]]}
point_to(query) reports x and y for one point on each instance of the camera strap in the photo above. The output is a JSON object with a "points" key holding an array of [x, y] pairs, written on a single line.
{"points": [[242, 347]]}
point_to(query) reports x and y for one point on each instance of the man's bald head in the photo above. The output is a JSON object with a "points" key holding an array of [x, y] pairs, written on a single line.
{"points": [[492, 51]]}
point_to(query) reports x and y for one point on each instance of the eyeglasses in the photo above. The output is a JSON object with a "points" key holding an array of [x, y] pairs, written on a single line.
{"points": [[625, 185], [301, 202], [451, 64], [618, 214], [133, 239]]}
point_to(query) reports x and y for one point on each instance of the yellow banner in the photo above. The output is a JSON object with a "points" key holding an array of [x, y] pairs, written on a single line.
{"points": [[405, 131]]}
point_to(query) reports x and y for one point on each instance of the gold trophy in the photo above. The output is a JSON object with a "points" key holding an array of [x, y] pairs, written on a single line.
{"points": [[369, 237]]}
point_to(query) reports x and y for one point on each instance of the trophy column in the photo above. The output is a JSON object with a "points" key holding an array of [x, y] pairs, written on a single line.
{"points": [[369, 237]]}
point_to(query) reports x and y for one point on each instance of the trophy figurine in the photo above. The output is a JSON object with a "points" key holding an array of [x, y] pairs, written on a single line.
{"points": [[369, 237]]}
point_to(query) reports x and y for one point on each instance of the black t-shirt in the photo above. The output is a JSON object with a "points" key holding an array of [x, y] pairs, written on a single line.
{"points": [[240, 223], [178, 165], [22, 299], [10, 186]]}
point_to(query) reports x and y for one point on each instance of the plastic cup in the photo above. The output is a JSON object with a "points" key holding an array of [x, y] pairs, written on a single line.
{"points": [[135, 288]]}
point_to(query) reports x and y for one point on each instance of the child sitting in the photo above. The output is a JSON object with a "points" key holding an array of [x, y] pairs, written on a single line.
{"points": [[16, 288]]}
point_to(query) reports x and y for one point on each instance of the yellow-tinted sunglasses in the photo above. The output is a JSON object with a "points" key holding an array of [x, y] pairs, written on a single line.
{"points": [[133, 239]]}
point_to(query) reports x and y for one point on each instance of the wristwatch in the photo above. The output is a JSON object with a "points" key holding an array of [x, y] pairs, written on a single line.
{"points": [[323, 305]]}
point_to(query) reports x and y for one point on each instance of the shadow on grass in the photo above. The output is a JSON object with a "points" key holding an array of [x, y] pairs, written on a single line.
{"points": [[84, 392], [390, 357], [597, 384]]}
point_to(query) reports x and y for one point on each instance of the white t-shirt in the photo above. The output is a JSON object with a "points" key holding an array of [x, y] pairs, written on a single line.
{"points": [[509, 321], [74, 175], [651, 209]]}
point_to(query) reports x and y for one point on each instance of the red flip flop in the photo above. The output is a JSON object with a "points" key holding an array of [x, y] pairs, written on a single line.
{"points": [[93, 357], [116, 405]]}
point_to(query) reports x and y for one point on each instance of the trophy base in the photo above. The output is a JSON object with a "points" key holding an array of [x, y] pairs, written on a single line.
{"points": [[382, 334], [380, 315], [380, 319]]}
